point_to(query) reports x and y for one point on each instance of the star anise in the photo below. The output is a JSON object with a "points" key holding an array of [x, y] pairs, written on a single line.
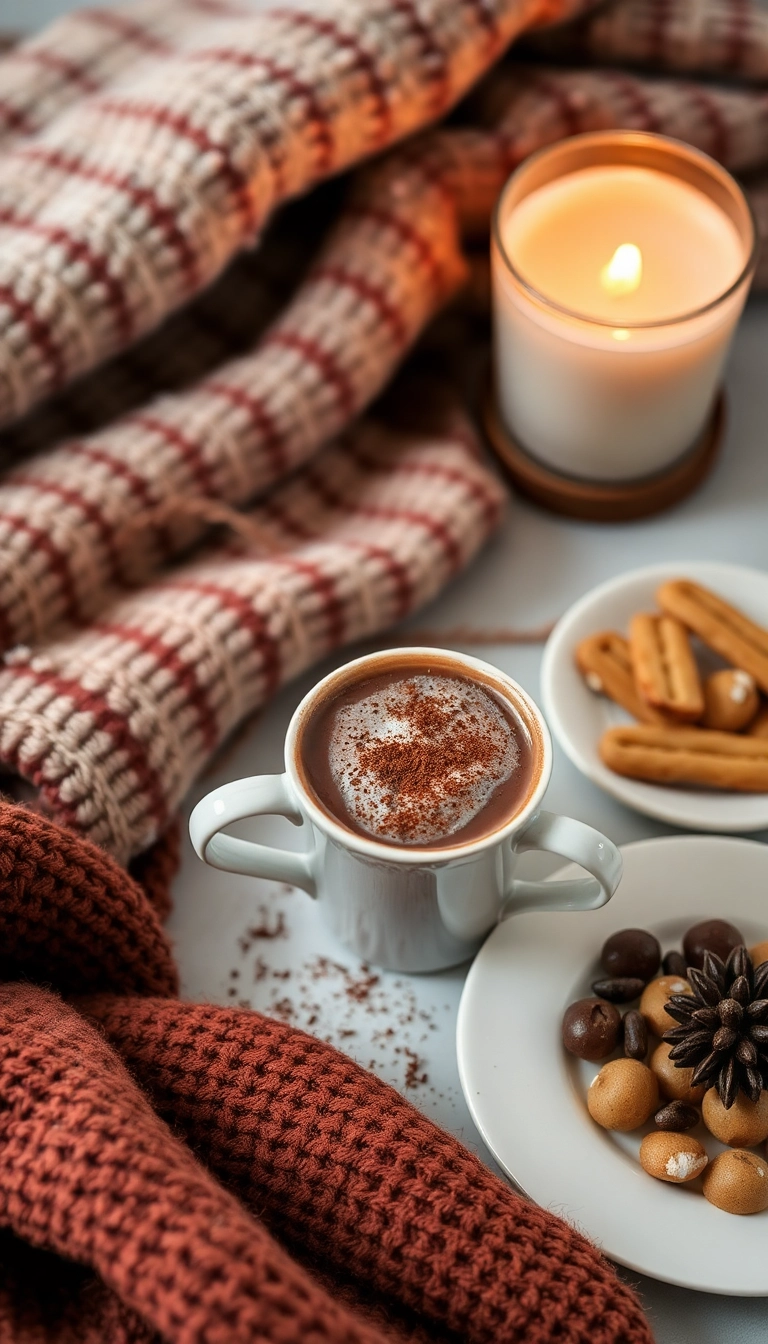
{"points": [[723, 1032]]}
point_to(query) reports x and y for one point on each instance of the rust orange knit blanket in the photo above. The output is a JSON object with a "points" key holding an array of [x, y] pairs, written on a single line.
{"points": [[204, 1175]]}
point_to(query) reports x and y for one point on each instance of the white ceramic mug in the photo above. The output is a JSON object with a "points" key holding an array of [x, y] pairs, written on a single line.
{"points": [[407, 908]]}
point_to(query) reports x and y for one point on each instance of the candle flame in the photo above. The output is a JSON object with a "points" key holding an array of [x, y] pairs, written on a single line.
{"points": [[624, 271]]}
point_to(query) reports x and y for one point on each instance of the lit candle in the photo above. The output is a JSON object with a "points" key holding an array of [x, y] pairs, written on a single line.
{"points": [[621, 263]]}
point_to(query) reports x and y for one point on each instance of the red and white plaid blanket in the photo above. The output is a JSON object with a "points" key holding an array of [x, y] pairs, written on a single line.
{"points": [[144, 150]]}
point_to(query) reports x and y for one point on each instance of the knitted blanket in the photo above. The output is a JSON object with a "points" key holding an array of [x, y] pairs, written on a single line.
{"points": [[144, 150], [203, 1175]]}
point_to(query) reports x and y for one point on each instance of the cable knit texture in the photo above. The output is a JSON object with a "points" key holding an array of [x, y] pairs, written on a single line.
{"points": [[700, 37], [119, 203], [214, 1177], [112, 722]]}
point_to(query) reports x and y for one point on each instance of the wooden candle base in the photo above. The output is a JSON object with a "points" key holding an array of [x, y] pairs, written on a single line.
{"points": [[604, 501]]}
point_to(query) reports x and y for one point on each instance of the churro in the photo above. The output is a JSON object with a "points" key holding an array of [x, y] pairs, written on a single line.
{"points": [[664, 667], [687, 756], [604, 662], [759, 725], [742, 642]]}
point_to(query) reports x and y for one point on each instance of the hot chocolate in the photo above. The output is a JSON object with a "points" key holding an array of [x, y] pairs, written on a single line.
{"points": [[419, 755]]}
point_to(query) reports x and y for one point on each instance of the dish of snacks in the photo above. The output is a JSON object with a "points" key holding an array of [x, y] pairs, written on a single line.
{"points": [[656, 687], [637, 1038], [690, 1054]]}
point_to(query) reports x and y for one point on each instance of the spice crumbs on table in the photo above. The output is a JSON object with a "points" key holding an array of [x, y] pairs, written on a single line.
{"points": [[376, 1018]]}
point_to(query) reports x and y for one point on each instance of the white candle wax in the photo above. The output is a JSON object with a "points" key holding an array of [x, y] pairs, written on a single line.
{"points": [[610, 351]]}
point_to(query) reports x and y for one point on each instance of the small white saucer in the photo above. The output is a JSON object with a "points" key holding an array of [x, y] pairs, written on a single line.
{"points": [[527, 1096], [578, 717]]}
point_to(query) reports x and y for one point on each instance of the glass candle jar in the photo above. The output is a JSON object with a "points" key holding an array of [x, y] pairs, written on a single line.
{"points": [[621, 262]]}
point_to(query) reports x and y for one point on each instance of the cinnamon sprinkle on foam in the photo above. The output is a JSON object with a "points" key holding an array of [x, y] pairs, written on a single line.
{"points": [[416, 761]]}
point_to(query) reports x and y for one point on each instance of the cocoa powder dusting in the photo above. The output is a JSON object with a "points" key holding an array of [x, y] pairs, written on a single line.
{"points": [[419, 755], [376, 1016], [414, 1077], [431, 766], [270, 924]]}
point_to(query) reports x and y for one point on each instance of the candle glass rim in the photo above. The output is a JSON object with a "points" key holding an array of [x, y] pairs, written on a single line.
{"points": [[617, 137]]}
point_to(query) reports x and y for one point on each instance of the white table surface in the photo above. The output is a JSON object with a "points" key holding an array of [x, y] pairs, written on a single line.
{"points": [[537, 565]]}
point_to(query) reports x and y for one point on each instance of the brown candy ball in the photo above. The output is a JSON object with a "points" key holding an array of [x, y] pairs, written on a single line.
{"points": [[737, 1182], [674, 1084], [654, 1000], [622, 1095], [731, 700], [759, 953], [712, 935], [631, 952], [672, 1157], [591, 1028], [743, 1125]]}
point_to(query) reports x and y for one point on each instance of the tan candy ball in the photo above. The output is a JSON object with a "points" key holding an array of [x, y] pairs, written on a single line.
{"points": [[743, 1126], [672, 1157], [674, 1084], [731, 700], [623, 1095], [737, 1182], [654, 999], [759, 953]]}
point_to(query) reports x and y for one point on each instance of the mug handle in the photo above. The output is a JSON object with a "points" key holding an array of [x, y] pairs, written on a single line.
{"points": [[261, 795], [573, 840]]}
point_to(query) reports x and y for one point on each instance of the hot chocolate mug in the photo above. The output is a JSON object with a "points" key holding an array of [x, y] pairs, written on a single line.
{"points": [[408, 908]]}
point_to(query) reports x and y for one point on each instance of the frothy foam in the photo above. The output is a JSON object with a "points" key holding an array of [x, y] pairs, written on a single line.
{"points": [[418, 760]]}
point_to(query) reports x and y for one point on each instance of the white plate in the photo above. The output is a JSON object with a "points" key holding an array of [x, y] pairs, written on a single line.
{"points": [[578, 717], [527, 1096]]}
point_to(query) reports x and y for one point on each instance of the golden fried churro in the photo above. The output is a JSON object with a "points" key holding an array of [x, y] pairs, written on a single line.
{"points": [[759, 725], [687, 756], [604, 662], [724, 628], [664, 667]]}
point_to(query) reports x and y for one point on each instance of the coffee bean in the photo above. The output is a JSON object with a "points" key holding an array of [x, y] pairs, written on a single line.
{"points": [[635, 1035], [591, 1028], [620, 989], [674, 964], [676, 1116], [633, 952]]}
